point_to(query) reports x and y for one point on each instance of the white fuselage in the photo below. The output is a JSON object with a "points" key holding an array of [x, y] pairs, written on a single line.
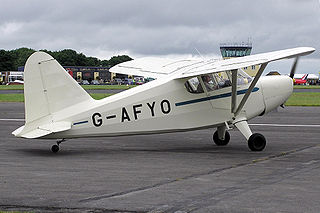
{"points": [[166, 106]]}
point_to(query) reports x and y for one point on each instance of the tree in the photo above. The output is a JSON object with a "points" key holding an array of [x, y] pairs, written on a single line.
{"points": [[6, 61], [114, 60], [11, 60]]}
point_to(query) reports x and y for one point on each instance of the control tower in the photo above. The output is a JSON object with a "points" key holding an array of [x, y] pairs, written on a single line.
{"points": [[232, 50]]}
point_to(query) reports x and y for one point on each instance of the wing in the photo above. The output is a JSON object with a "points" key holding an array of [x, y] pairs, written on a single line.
{"points": [[152, 67], [160, 67], [246, 61]]}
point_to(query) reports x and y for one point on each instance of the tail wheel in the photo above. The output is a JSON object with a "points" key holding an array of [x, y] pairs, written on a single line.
{"points": [[257, 142], [220, 142], [55, 148]]}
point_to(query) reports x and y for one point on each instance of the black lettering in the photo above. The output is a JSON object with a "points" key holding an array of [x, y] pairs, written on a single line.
{"points": [[152, 108], [125, 115], [168, 108], [96, 119], [136, 111]]}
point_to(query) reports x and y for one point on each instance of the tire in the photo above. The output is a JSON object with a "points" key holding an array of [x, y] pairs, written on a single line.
{"points": [[257, 142], [220, 142], [55, 148]]}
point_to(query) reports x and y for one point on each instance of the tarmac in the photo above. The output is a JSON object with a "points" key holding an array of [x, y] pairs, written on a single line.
{"points": [[176, 172]]}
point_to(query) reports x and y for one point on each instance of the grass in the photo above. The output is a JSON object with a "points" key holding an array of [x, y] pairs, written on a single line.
{"points": [[306, 87], [304, 99], [86, 87], [11, 98], [20, 97], [11, 87], [98, 87], [296, 99]]}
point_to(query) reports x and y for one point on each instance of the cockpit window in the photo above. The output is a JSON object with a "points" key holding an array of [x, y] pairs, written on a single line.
{"points": [[223, 79], [243, 78], [215, 81], [209, 82], [193, 85]]}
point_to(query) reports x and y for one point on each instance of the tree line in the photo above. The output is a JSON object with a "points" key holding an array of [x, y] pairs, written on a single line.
{"points": [[10, 60]]}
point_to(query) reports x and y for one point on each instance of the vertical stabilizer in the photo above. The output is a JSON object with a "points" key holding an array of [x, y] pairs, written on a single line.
{"points": [[48, 88]]}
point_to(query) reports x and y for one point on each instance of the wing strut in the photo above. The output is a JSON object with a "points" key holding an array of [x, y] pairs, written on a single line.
{"points": [[234, 90], [252, 85]]}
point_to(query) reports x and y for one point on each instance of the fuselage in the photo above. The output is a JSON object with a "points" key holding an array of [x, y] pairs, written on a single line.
{"points": [[166, 105]]}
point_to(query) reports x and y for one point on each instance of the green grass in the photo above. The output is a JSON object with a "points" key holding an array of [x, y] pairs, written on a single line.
{"points": [[304, 99], [306, 87], [99, 96], [98, 87], [20, 97], [86, 87], [11, 87], [296, 99], [11, 98]]}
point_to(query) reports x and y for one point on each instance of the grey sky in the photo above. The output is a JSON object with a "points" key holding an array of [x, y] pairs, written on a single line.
{"points": [[139, 28]]}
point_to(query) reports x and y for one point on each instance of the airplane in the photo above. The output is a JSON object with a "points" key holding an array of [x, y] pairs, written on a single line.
{"points": [[186, 95], [303, 80]]}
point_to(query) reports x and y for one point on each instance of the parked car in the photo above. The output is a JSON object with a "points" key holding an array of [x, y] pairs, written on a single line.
{"points": [[85, 82], [16, 82], [118, 81], [95, 82], [128, 81]]}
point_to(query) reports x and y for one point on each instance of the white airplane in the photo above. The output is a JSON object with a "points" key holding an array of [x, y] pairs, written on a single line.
{"points": [[186, 95]]}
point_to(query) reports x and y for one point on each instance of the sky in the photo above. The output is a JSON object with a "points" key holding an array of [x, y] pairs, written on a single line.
{"points": [[163, 28]]}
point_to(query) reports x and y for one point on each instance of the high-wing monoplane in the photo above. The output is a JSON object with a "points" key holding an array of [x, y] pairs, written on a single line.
{"points": [[186, 95]]}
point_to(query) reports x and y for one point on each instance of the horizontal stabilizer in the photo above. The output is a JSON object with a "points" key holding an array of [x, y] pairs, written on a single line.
{"points": [[42, 130]]}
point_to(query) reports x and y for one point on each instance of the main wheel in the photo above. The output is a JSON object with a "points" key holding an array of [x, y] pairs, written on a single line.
{"points": [[55, 148], [220, 142], [257, 142]]}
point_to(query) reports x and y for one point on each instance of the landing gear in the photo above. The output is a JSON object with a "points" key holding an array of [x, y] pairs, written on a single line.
{"points": [[221, 141], [55, 148], [257, 142]]}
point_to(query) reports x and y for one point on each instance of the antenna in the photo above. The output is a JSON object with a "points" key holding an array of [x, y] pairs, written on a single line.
{"points": [[199, 53]]}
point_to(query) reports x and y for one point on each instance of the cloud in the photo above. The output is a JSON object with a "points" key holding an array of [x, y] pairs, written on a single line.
{"points": [[142, 27]]}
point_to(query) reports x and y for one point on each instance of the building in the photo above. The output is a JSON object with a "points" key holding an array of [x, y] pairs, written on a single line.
{"points": [[81, 73], [10, 76], [232, 50]]}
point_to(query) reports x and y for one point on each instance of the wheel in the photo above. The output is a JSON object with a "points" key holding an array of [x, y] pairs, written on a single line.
{"points": [[220, 142], [257, 142], [55, 148]]}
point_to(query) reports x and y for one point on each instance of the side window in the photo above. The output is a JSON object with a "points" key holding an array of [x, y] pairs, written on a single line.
{"points": [[193, 85], [243, 78], [223, 79], [209, 82]]}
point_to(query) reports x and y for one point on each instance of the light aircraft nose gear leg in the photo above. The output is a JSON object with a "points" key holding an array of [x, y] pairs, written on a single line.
{"points": [[256, 141], [55, 148], [221, 137]]}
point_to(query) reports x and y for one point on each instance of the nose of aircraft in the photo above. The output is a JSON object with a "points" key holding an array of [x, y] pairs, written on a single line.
{"points": [[276, 90]]}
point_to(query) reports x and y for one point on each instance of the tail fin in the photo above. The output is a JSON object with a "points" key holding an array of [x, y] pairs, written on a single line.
{"points": [[48, 88]]}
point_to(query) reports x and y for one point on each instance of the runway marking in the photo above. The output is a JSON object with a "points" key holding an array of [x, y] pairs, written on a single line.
{"points": [[287, 125], [12, 119]]}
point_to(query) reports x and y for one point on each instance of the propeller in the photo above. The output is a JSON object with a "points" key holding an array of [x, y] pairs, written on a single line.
{"points": [[294, 66]]}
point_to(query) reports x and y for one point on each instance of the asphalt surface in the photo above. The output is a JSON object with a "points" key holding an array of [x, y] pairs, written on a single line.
{"points": [[180, 172]]}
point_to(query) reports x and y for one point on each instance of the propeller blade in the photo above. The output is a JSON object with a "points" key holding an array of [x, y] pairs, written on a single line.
{"points": [[294, 66]]}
